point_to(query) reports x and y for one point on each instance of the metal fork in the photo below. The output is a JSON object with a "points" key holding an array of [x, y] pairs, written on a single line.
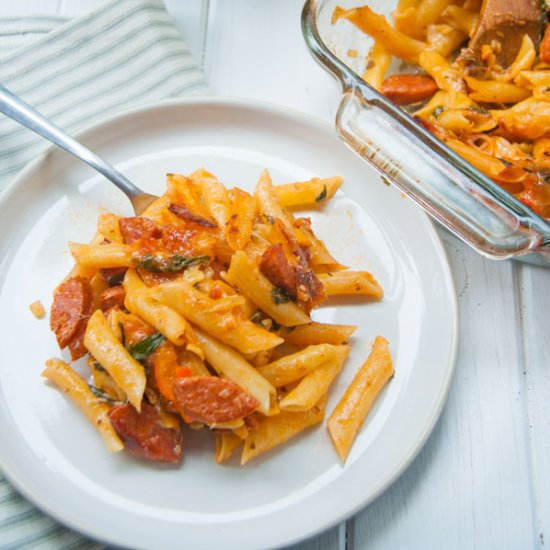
{"points": [[15, 108]]}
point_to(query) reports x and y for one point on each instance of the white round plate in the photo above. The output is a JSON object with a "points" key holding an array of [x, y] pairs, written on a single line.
{"points": [[56, 459]]}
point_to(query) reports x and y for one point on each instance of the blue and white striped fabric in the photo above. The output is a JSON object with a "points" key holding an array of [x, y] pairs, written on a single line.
{"points": [[125, 53]]}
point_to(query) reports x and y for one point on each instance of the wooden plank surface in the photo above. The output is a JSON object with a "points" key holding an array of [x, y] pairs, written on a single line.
{"points": [[483, 479]]}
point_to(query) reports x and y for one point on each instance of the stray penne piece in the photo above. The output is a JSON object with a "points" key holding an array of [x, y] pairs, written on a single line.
{"points": [[351, 283], [103, 344], [95, 409], [351, 411], [272, 431]]}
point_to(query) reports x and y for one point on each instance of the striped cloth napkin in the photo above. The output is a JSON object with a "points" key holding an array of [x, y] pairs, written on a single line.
{"points": [[125, 53]]}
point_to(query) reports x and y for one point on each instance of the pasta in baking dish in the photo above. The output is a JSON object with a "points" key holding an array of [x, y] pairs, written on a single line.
{"points": [[197, 313], [496, 117]]}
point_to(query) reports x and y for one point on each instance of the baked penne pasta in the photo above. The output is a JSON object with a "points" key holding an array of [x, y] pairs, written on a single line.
{"points": [[198, 314]]}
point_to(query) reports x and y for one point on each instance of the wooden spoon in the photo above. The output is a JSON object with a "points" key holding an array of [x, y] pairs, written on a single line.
{"points": [[506, 21]]}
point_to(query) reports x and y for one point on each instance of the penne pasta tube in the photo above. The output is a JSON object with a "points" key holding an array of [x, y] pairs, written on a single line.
{"points": [[523, 61], [166, 320], [350, 413], [103, 255], [214, 195], [96, 410], [275, 430], [427, 13], [375, 25], [103, 344], [158, 209], [226, 444], [532, 79], [229, 364], [462, 19], [307, 193], [107, 225], [351, 283], [378, 61], [267, 203], [317, 333], [235, 330], [244, 274], [103, 381], [444, 39], [241, 217], [315, 384], [446, 77], [493, 91], [292, 367]]}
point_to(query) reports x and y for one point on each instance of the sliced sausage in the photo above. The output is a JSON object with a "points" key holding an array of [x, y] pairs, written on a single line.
{"points": [[112, 297], [136, 228], [144, 435], [406, 89], [181, 211], [276, 267], [72, 303], [113, 276], [76, 345], [211, 400]]}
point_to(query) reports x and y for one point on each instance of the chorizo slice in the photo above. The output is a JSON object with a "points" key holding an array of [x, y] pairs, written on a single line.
{"points": [[181, 211], [276, 267], [211, 400], [112, 297], [135, 228], [72, 303], [144, 434], [76, 345], [406, 89]]}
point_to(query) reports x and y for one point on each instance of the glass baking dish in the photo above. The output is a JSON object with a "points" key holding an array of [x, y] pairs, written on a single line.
{"points": [[450, 189]]}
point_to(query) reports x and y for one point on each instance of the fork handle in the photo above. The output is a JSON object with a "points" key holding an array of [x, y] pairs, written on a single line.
{"points": [[15, 108]]}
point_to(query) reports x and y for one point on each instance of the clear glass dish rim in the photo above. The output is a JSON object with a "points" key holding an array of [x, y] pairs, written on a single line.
{"points": [[350, 80]]}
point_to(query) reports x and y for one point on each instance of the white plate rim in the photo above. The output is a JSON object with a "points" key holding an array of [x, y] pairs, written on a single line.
{"points": [[272, 108]]}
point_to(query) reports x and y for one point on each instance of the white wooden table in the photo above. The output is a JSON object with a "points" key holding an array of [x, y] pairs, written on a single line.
{"points": [[483, 478]]}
